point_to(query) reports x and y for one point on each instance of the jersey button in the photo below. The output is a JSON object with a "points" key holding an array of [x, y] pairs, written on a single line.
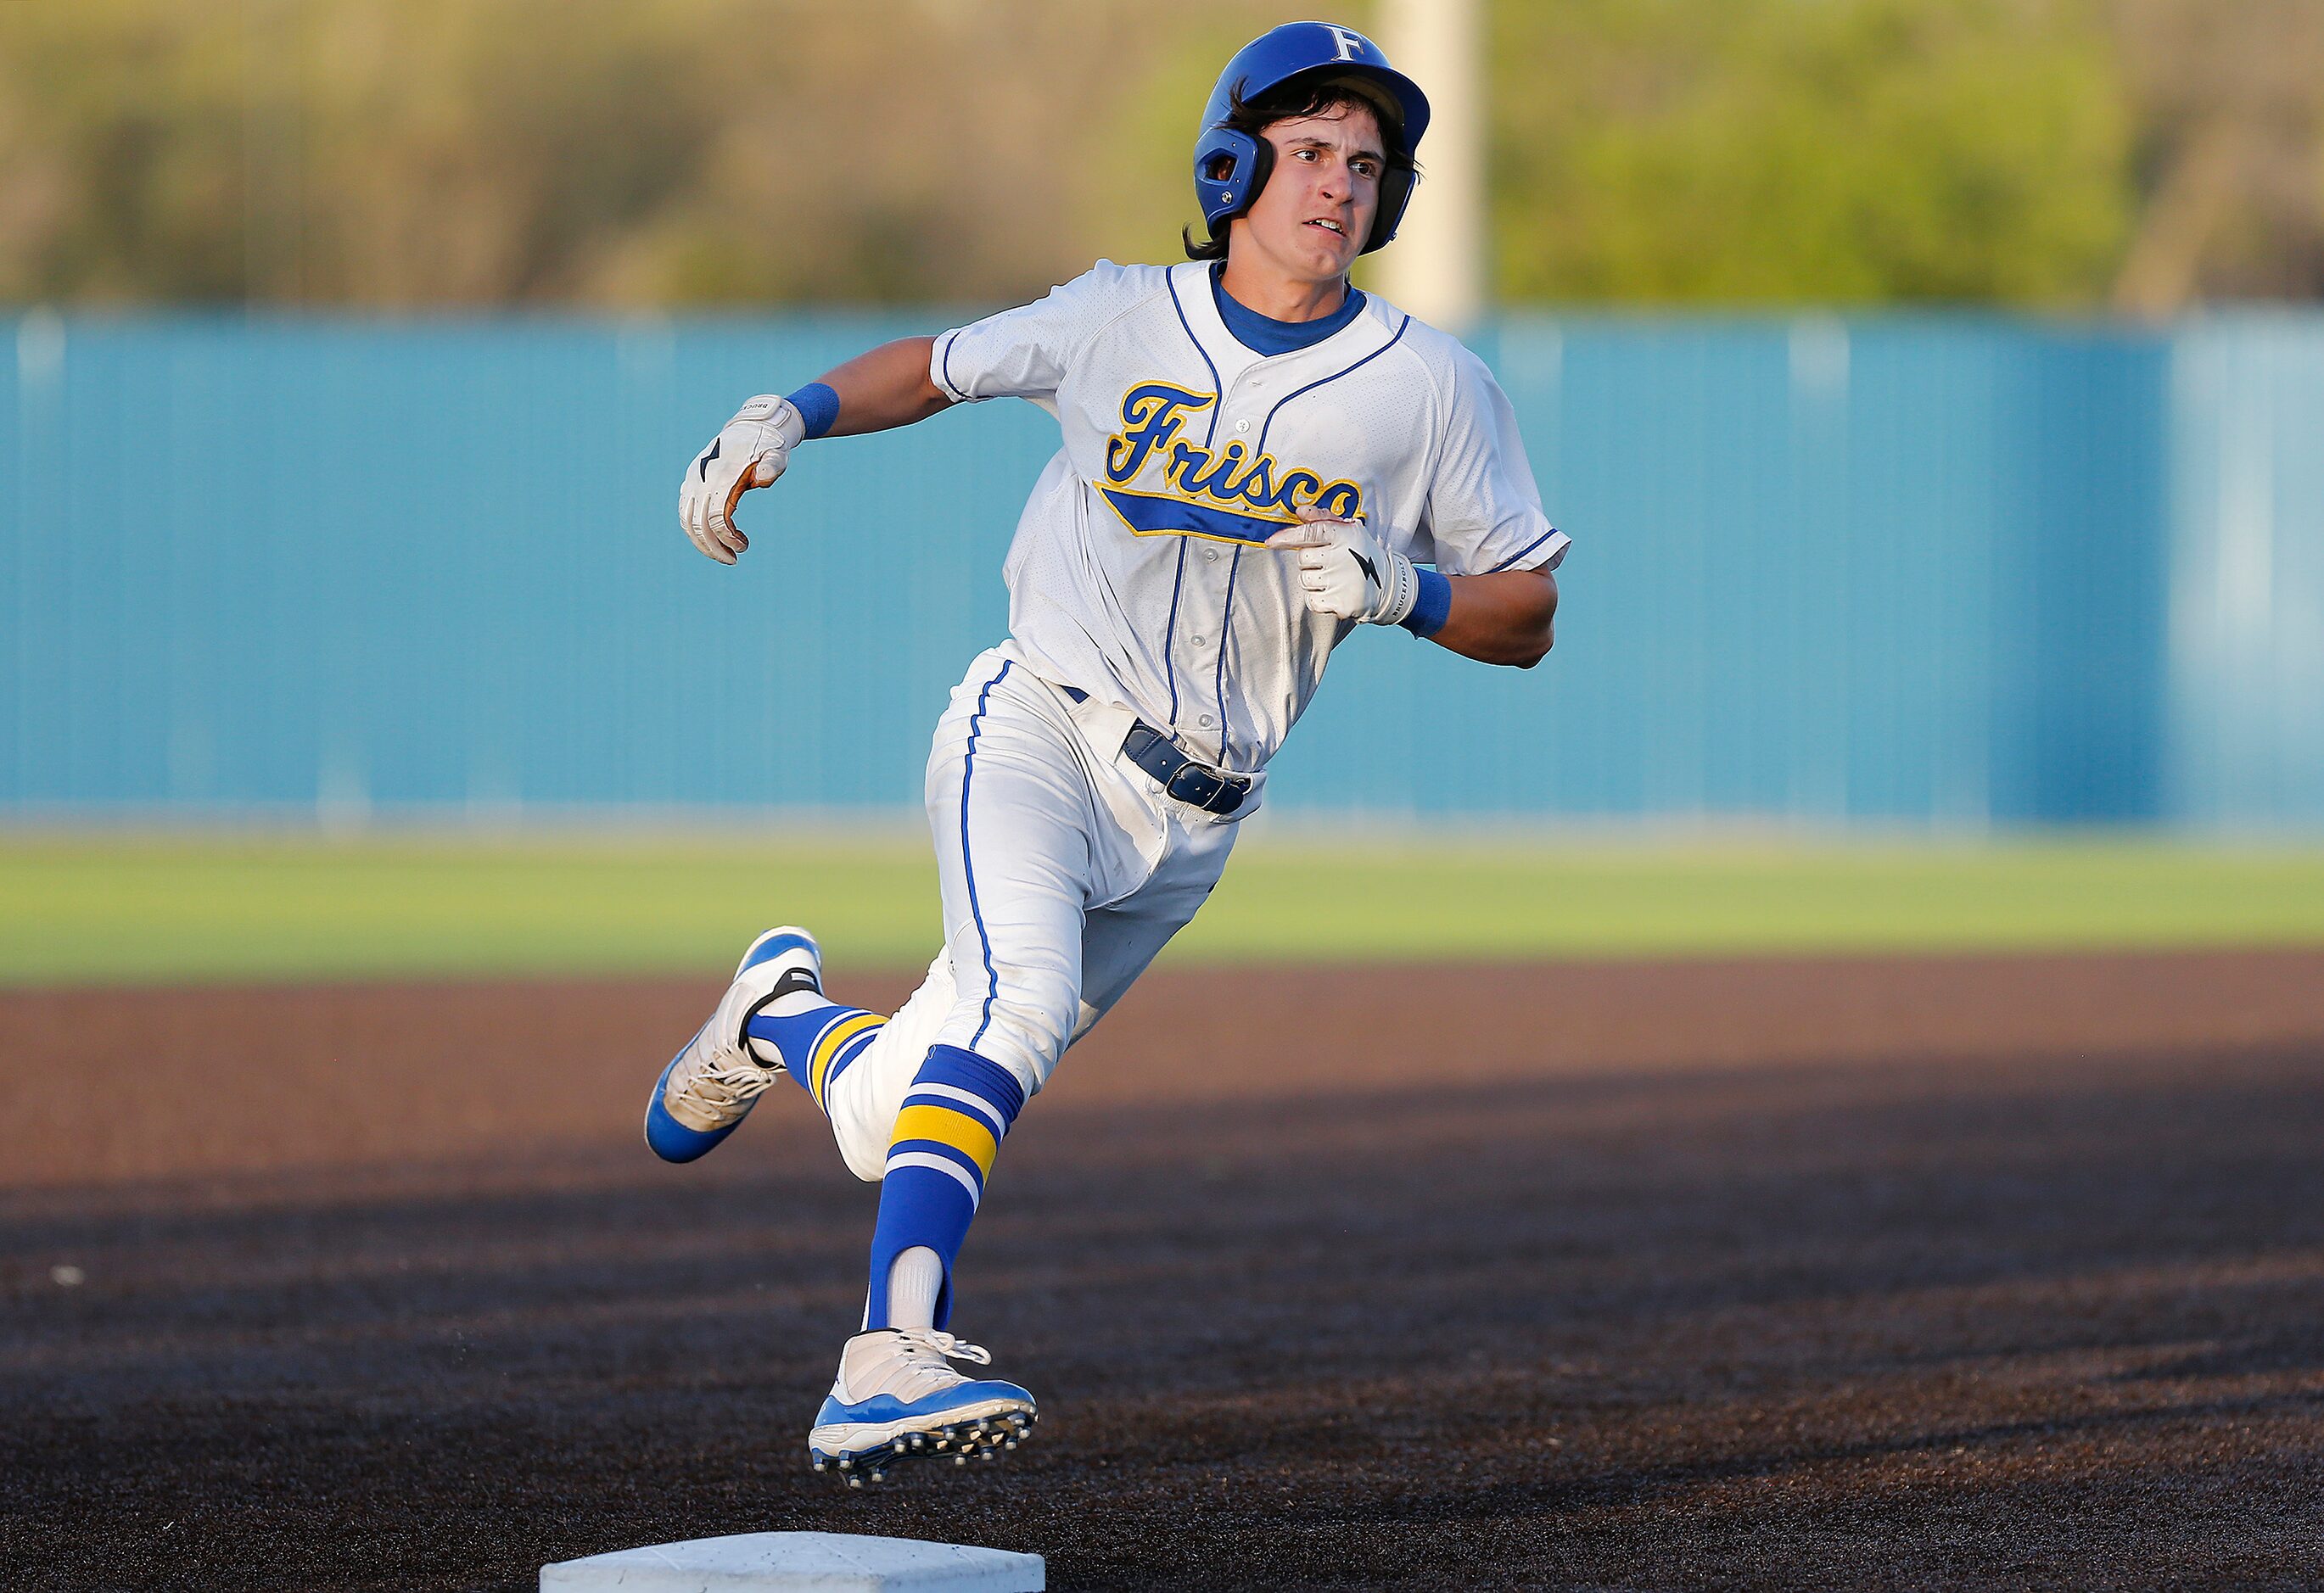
{"points": [[1211, 553], [1206, 721], [1198, 641], [1242, 425]]}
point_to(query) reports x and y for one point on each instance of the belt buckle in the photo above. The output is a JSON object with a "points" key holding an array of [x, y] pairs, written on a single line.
{"points": [[1196, 786]]}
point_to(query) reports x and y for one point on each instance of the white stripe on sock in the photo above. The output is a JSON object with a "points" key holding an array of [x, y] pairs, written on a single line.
{"points": [[926, 1158]]}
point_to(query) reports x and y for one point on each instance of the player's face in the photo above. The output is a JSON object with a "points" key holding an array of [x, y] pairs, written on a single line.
{"points": [[1316, 210]]}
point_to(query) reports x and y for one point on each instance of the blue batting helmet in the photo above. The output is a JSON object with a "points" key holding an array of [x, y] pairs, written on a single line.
{"points": [[1231, 167]]}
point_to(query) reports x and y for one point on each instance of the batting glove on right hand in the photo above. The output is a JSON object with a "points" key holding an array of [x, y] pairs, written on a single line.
{"points": [[751, 452], [1346, 572]]}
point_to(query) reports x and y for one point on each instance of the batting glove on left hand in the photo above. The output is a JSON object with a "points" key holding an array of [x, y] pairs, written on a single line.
{"points": [[751, 452], [1346, 572]]}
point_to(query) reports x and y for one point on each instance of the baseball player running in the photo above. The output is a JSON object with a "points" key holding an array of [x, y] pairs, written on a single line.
{"points": [[1256, 458]]}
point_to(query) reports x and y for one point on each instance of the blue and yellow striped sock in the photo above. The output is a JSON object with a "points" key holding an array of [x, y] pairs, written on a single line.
{"points": [[951, 1126], [818, 1039]]}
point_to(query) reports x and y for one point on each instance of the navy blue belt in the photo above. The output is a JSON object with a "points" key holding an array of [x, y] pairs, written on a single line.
{"points": [[1197, 784]]}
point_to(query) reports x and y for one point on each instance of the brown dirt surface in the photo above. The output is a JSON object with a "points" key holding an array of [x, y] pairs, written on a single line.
{"points": [[1873, 1273]]}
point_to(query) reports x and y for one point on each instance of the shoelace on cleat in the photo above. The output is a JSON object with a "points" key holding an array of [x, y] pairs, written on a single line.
{"points": [[945, 1344], [718, 1089], [914, 1365]]}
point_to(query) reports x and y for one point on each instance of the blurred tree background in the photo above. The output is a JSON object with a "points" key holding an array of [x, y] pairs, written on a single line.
{"points": [[402, 153]]}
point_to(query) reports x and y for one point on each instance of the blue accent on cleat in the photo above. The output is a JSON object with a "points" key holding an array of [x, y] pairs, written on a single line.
{"points": [[671, 1140], [774, 943], [883, 1408], [866, 1438]]}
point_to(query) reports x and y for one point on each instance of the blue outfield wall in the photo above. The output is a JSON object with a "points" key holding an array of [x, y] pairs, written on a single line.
{"points": [[1950, 571]]}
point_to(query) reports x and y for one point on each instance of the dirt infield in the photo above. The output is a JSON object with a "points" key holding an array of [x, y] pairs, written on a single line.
{"points": [[2003, 1272]]}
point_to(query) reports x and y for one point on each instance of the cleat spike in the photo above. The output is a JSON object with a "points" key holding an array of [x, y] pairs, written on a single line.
{"points": [[854, 1482], [959, 1460]]}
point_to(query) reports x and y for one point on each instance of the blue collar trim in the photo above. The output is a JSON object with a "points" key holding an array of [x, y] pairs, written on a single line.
{"points": [[1265, 335]]}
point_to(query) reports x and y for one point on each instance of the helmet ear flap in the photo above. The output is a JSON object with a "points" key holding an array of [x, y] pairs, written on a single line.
{"points": [[1231, 168], [1395, 193]]}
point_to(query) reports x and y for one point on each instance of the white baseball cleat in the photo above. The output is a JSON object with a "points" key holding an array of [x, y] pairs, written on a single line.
{"points": [[711, 1084], [897, 1398]]}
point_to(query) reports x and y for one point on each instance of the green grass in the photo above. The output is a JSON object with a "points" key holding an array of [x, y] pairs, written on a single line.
{"points": [[85, 908]]}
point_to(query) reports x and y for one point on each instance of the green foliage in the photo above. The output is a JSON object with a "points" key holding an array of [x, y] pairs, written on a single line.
{"points": [[405, 153], [419, 151], [112, 176], [1832, 151], [409, 152]]}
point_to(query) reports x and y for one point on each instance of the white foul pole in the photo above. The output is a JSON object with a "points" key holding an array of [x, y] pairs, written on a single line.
{"points": [[1436, 267]]}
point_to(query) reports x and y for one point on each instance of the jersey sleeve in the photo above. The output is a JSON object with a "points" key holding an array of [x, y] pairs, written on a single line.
{"points": [[1484, 511], [1024, 352]]}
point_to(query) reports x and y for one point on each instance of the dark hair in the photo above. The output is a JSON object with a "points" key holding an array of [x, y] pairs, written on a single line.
{"points": [[1289, 104]]}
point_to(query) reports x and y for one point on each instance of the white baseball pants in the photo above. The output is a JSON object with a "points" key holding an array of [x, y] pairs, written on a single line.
{"points": [[1064, 870]]}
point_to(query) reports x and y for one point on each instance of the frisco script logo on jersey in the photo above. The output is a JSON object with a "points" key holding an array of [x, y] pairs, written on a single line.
{"points": [[1223, 495]]}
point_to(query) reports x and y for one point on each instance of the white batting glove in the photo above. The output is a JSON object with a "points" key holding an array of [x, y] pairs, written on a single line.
{"points": [[751, 452], [1348, 573]]}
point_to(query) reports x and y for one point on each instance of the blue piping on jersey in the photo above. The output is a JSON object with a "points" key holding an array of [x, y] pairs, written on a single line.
{"points": [[968, 773], [1226, 622], [1170, 634], [1226, 635], [1320, 381], [1521, 552], [1219, 402], [1218, 388], [951, 343]]}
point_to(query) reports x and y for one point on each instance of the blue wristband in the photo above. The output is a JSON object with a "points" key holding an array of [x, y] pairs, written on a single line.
{"points": [[1432, 607], [817, 405]]}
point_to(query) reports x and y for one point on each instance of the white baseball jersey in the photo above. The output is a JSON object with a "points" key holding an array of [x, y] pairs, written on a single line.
{"points": [[1139, 573]]}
